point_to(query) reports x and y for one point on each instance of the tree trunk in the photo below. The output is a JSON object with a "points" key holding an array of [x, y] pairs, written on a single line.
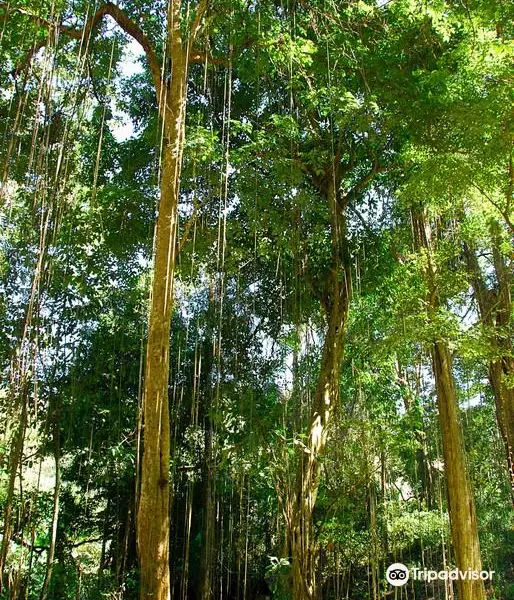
{"points": [[504, 403], [503, 367], [55, 518], [495, 307], [153, 523], [171, 93], [303, 547], [326, 397], [208, 518], [207, 467], [460, 497], [123, 551], [424, 468]]}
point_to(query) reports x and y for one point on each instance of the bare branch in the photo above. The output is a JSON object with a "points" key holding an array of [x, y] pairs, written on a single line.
{"points": [[365, 224], [359, 186], [90, 541], [187, 229], [108, 9], [197, 23]]}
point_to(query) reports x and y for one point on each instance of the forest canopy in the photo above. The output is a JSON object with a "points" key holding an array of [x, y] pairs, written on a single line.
{"points": [[256, 319]]}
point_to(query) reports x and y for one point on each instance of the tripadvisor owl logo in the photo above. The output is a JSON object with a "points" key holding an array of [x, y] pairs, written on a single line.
{"points": [[397, 574]]}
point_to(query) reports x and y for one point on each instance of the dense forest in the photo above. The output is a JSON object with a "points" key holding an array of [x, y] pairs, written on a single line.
{"points": [[256, 317]]}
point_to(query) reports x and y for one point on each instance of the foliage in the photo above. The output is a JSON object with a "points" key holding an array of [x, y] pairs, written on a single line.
{"points": [[411, 103]]}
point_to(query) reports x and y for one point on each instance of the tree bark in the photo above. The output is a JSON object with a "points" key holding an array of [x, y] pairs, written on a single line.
{"points": [[326, 398], [153, 521], [461, 504], [503, 366], [504, 404], [460, 498]]}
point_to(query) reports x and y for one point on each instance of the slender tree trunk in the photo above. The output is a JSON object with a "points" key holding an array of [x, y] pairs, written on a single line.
{"points": [[208, 519], [326, 397], [422, 462], [207, 467], [502, 369], [375, 546], [55, 518], [495, 307], [153, 523], [103, 554], [154, 491], [460, 497], [122, 552], [303, 547], [504, 403], [15, 457], [19, 385]]}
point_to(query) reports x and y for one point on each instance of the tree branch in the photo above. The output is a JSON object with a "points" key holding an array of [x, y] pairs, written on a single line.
{"points": [[360, 217], [187, 229], [26, 544], [197, 22], [90, 541], [130, 27], [108, 9], [361, 184]]}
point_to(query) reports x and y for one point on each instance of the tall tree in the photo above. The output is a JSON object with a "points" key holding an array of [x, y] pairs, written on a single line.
{"points": [[495, 308], [335, 300], [171, 95], [460, 495]]}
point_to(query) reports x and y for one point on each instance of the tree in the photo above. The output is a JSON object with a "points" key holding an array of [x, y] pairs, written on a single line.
{"points": [[460, 496], [171, 94], [321, 171], [495, 307]]}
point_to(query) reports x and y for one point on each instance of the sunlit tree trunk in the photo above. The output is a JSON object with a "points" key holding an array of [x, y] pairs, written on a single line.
{"points": [[153, 525], [460, 498], [461, 504]]}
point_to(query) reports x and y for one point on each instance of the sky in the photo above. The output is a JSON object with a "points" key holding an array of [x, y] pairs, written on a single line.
{"points": [[121, 126]]}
